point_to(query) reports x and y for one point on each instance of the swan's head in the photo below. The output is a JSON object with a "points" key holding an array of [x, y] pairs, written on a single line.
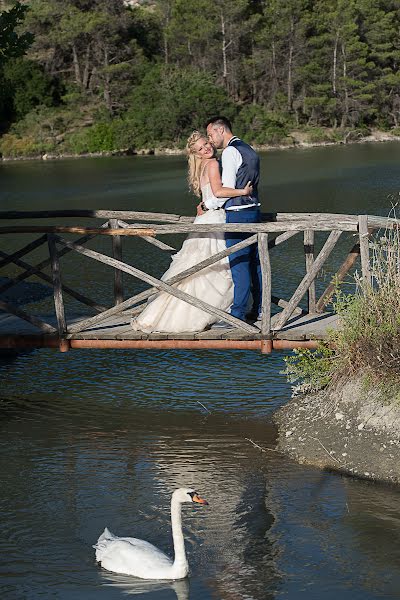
{"points": [[188, 495]]}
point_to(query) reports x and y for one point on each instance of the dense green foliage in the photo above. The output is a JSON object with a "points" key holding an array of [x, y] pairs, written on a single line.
{"points": [[110, 75]]}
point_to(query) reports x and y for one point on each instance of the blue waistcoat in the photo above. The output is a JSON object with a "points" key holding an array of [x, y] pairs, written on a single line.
{"points": [[249, 170]]}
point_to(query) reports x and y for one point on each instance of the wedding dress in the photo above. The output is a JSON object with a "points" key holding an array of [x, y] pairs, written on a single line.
{"points": [[166, 313]]}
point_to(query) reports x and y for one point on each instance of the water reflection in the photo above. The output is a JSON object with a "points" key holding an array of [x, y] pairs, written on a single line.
{"points": [[132, 587]]}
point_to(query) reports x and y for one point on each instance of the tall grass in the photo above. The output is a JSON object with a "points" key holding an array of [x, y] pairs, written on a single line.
{"points": [[368, 337]]}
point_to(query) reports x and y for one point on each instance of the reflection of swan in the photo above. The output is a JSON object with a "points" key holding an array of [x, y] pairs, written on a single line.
{"points": [[132, 587], [141, 559]]}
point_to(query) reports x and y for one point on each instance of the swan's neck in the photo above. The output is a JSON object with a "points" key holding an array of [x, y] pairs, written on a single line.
{"points": [[177, 535]]}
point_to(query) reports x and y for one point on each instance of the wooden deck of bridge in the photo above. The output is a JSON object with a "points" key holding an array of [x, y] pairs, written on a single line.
{"points": [[109, 327], [116, 332]]}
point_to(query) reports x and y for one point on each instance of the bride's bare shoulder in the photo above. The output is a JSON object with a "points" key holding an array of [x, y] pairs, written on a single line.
{"points": [[212, 165]]}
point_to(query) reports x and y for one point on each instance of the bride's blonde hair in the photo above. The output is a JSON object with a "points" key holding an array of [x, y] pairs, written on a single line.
{"points": [[194, 162]]}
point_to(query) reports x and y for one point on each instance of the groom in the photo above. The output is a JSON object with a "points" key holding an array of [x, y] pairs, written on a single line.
{"points": [[240, 164]]}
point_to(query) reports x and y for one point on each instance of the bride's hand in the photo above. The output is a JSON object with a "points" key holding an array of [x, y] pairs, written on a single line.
{"points": [[248, 189], [200, 210]]}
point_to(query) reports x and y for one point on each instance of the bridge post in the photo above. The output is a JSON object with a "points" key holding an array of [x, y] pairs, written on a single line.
{"points": [[117, 253], [309, 254], [266, 292], [57, 291], [364, 248]]}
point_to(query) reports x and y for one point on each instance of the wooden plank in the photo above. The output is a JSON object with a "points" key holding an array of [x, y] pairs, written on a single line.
{"points": [[283, 304], [151, 230], [309, 255], [338, 277], [10, 258], [281, 238], [118, 275], [96, 214], [67, 290], [335, 219], [57, 287], [147, 293], [364, 248], [235, 334], [36, 321], [132, 231], [269, 227], [112, 262], [307, 327], [190, 335], [266, 283], [131, 335], [158, 335], [151, 240], [307, 279], [210, 334]]}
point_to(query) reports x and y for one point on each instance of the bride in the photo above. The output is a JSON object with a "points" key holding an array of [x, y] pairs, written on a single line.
{"points": [[166, 313]]}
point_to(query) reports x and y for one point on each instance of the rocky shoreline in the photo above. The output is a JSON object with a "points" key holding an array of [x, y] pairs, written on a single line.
{"points": [[299, 141], [346, 428]]}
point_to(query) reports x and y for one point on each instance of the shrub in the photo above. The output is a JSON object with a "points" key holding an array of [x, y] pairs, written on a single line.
{"points": [[169, 103], [97, 138], [14, 146], [311, 370], [368, 339], [258, 126]]}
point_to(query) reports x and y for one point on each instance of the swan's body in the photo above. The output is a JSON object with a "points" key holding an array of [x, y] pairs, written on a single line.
{"points": [[140, 558]]}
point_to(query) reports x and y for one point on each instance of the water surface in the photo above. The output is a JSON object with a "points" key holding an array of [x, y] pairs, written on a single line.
{"points": [[93, 438]]}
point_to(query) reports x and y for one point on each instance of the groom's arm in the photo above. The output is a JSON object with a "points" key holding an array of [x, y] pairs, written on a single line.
{"points": [[231, 160]]}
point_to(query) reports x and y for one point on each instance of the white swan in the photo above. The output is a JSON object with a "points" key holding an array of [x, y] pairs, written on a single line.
{"points": [[139, 558]]}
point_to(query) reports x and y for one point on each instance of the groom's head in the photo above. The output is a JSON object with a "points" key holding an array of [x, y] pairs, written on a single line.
{"points": [[219, 131]]}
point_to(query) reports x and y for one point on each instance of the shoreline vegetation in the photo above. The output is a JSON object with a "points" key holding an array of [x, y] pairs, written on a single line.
{"points": [[345, 410], [99, 78], [295, 140]]}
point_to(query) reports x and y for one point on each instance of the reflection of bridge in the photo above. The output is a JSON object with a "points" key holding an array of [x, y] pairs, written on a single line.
{"points": [[109, 327]]}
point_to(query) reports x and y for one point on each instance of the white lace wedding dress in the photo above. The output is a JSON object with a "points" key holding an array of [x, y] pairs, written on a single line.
{"points": [[166, 313]]}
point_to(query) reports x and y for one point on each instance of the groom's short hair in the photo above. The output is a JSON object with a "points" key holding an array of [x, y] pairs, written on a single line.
{"points": [[219, 121]]}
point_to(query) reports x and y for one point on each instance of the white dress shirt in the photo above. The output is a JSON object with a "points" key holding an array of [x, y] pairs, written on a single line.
{"points": [[231, 160]]}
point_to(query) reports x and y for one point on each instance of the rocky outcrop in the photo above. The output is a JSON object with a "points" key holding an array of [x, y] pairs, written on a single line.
{"points": [[347, 428]]}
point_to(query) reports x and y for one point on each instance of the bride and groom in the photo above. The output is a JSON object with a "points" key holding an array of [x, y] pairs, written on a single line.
{"points": [[229, 195]]}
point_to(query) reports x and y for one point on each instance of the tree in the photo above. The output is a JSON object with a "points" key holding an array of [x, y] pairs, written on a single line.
{"points": [[380, 25], [12, 44], [170, 103]]}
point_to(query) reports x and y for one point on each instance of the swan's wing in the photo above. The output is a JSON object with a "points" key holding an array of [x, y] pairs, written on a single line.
{"points": [[133, 557]]}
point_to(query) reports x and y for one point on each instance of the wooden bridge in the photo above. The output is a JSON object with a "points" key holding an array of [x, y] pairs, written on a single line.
{"points": [[109, 326]]}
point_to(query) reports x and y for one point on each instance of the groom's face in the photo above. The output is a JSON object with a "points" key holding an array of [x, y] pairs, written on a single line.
{"points": [[216, 135]]}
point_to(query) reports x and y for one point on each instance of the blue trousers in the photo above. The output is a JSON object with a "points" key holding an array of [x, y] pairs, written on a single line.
{"points": [[245, 265]]}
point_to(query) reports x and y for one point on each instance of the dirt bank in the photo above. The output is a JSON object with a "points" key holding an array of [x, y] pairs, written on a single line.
{"points": [[346, 428]]}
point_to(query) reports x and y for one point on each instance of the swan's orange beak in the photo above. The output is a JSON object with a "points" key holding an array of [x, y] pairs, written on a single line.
{"points": [[199, 500]]}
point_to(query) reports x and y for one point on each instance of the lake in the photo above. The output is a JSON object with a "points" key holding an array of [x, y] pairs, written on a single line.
{"points": [[95, 438]]}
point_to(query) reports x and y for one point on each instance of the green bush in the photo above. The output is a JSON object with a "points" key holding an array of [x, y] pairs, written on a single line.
{"points": [[257, 125], [311, 370], [169, 104], [14, 146], [368, 339], [98, 138]]}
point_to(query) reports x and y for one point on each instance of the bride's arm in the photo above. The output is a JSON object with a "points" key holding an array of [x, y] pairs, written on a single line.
{"points": [[224, 192]]}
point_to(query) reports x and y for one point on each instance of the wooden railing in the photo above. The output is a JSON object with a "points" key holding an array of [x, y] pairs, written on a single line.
{"points": [[274, 230]]}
